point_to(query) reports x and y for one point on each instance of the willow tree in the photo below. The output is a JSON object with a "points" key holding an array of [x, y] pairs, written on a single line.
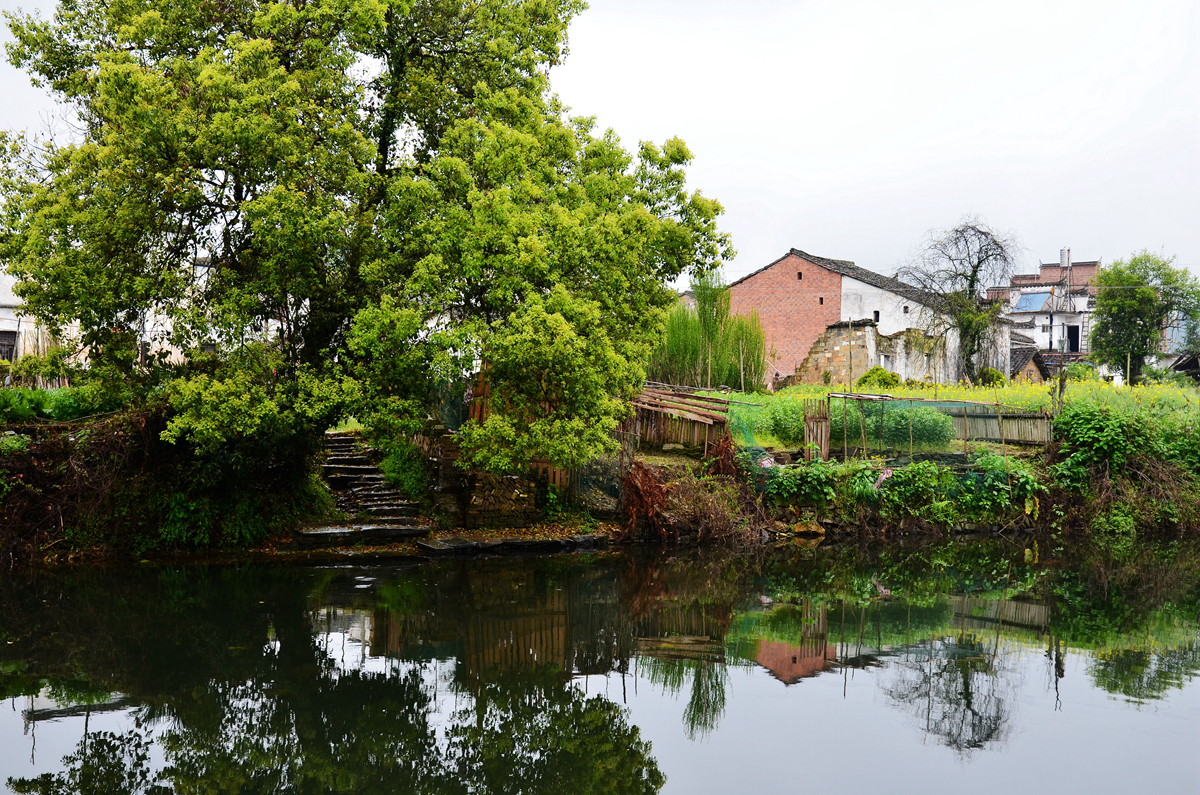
{"points": [[240, 179]]}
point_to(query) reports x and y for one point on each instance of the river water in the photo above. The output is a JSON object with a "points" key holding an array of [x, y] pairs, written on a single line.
{"points": [[944, 668]]}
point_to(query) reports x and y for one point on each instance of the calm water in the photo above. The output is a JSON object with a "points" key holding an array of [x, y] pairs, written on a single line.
{"points": [[700, 673]]}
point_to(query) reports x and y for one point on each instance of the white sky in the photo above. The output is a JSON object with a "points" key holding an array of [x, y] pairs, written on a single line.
{"points": [[849, 128]]}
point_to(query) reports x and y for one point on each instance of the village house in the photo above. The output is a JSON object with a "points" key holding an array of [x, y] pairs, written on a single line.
{"points": [[1055, 305], [829, 321]]}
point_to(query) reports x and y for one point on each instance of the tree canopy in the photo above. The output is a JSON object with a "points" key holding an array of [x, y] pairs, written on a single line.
{"points": [[1139, 299], [952, 272], [380, 191]]}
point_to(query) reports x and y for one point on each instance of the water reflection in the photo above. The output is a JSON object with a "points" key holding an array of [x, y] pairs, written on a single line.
{"points": [[473, 676]]}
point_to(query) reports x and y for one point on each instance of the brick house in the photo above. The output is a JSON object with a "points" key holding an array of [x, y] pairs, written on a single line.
{"points": [[856, 319]]}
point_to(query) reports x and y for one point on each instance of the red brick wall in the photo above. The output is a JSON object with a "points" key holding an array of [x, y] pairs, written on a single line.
{"points": [[791, 312], [790, 664]]}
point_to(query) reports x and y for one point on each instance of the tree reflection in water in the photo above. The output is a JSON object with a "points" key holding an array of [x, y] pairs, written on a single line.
{"points": [[956, 690], [470, 676]]}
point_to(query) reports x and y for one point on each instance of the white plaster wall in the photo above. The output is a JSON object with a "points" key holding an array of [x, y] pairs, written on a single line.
{"points": [[861, 300]]}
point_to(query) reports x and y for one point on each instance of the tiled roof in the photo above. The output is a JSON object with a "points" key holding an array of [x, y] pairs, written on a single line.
{"points": [[1020, 357], [847, 268]]}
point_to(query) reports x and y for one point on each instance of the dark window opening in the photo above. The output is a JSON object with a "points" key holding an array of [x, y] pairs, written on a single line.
{"points": [[906, 310], [1073, 339], [799, 275], [821, 301], [793, 659], [876, 315], [8, 345]]}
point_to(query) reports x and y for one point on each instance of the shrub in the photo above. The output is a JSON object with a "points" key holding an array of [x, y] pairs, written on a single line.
{"points": [[13, 444], [1082, 371], [990, 376], [22, 405], [929, 427], [406, 469], [804, 484], [913, 490], [878, 378], [1096, 437]]}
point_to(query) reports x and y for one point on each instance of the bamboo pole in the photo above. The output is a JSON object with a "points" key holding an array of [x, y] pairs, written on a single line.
{"points": [[845, 443], [910, 432]]}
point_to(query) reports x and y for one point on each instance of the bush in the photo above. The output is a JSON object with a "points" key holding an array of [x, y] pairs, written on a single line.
{"points": [[878, 378], [930, 427], [22, 405], [990, 376], [920, 490], [804, 484], [406, 469], [1082, 371]]}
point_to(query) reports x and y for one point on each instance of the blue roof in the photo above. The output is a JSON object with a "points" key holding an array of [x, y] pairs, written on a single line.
{"points": [[1031, 302]]}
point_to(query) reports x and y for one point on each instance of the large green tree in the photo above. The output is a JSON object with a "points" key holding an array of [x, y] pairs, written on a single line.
{"points": [[346, 182], [1138, 300]]}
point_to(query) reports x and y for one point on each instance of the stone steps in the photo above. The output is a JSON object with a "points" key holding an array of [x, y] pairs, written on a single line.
{"points": [[331, 534], [362, 491]]}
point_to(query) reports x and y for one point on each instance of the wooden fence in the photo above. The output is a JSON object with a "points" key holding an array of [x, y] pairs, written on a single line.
{"points": [[972, 424], [663, 415], [481, 401], [816, 428]]}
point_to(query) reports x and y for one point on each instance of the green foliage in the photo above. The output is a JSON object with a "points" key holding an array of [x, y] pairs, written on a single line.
{"points": [[559, 386], [878, 378], [53, 365], [1116, 531], [804, 484], [22, 405], [922, 489], [707, 346], [1082, 371], [239, 180], [990, 376], [927, 428], [1096, 437], [1137, 299], [997, 487], [1165, 375], [13, 444], [406, 469]]}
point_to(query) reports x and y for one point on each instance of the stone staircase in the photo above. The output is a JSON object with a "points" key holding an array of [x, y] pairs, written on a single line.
{"points": [[381, 514]]}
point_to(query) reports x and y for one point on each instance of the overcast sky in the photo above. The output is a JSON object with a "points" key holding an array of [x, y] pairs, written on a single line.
{"points": [[848, 129]]}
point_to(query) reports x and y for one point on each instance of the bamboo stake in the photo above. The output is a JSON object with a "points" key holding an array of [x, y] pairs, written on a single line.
{"points": [[845, 443], [910, 432]]}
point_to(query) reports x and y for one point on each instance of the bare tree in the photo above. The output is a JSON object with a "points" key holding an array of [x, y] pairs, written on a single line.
{"points": [[953, 269]]}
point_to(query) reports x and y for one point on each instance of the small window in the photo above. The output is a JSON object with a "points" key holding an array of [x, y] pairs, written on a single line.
{"points": [[1045, 329], [876, 315], [906, 309], [821, 300], [799, 275], [8, 345], [793, 660]]}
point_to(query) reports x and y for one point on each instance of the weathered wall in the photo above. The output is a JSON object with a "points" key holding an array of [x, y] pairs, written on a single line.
{"points": [[909, 354], [794, 312], [842, 352], [862, 300]]}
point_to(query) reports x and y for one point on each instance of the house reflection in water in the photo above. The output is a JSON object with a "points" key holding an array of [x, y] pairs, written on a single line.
{"points": [[798, 647]]}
